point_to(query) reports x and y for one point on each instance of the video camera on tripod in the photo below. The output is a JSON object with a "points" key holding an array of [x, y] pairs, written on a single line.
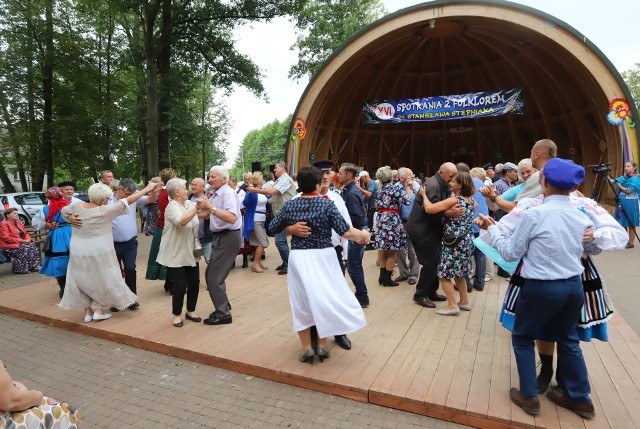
{"points": [[600, 168]]}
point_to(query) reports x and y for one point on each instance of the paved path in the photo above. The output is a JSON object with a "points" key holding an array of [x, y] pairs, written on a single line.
{"points": [[115, 385]]}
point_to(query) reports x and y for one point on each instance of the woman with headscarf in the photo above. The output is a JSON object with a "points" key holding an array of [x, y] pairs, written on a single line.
{"points": [[15, 239], [56, 257]]}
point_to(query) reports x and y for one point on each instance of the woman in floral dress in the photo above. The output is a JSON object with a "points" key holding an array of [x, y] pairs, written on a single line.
{"points": [[390, 235], [457, 242]]}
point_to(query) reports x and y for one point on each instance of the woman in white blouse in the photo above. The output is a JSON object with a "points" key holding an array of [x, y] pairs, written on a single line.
{"points": [[176, 250]]}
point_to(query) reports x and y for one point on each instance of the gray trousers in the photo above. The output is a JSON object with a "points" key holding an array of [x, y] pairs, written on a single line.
{"points": [[224, 249], [413, 270]]}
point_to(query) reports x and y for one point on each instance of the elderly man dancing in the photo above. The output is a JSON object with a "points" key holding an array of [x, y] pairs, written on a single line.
{"points": [[549, 239]]}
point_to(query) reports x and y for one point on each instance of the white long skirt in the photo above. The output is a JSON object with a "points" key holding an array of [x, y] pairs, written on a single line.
{"points": [[319, 294]]}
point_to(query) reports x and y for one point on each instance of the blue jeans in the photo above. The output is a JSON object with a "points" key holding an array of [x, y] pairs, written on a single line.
{"points": [[355, 252], [283, 248], [551, 309]]}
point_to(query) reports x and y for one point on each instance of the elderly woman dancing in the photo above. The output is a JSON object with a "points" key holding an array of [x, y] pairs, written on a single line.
{"points": [[390, 235], [94, 279], [318, 292], [16, 240], [254, 222], [180, 231]]}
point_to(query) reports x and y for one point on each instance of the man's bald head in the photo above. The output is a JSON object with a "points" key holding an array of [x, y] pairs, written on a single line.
{"points": [[447, 171], [542, 151]]}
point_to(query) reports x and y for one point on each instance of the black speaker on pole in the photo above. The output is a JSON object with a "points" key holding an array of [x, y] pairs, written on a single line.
{"points": [[256, 166]]}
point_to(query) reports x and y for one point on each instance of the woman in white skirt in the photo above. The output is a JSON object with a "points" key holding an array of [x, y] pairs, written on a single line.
{"points": [[94, 279], [318, 292]]}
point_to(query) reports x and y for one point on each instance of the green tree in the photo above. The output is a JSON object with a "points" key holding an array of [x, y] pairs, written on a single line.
{"points": [[267, 145], [323, 26], [632, 79]]}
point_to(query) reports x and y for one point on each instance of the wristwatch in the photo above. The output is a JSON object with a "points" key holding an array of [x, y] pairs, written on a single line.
{"points": [[493, 199], [212, 210]]}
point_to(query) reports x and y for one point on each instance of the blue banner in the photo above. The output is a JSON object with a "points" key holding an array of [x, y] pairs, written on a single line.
{"points": [[442, 108]]}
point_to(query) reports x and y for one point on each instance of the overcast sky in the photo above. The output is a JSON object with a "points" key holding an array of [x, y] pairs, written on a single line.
{"points": [[610, 25]]}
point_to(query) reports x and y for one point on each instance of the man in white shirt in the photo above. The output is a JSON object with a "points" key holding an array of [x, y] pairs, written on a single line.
{"points": [[282, 191], [125, 233]]}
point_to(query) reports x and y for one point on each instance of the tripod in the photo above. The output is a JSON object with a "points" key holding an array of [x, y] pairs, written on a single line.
{"points": [[597, 193]]}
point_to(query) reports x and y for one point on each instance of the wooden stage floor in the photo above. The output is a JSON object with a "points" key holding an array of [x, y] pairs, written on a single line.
{"points": [[458, 369]]}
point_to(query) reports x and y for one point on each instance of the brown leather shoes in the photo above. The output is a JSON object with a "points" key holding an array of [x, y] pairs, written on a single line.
{"points": [[561, 400], [529, 405], [412, 281], [425, 302]]}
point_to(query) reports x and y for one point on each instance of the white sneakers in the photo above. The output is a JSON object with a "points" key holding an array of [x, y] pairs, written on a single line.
{"points": [[88, 318], [98, 316]]}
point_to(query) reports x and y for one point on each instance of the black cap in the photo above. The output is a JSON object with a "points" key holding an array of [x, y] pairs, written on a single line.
{"points": [[324, 164], [66, 183], [488, 166]]}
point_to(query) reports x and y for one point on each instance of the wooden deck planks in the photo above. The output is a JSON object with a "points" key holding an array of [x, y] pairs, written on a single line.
{"points": [[455, 368]]}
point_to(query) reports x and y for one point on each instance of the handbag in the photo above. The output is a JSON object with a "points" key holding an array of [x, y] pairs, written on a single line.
{"points": [[47, 247], [451, 240], [198, 251]]}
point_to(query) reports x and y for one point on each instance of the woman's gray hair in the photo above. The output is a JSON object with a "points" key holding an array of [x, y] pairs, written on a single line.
{"points": [[220, 171], [384, 174], [525, 162], [174, 185], [98, 192], [114, 185]]}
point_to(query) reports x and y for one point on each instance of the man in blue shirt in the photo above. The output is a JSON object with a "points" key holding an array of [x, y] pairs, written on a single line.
{"points": [[549, 239], [354, 201], [479, 257]]}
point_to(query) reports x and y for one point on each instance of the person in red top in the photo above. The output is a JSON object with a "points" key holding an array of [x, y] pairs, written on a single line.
{"points": [[155, 271], [17, 242]]}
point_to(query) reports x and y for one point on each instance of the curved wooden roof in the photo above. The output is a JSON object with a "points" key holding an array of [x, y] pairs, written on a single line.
{"points": [[457, 47]]}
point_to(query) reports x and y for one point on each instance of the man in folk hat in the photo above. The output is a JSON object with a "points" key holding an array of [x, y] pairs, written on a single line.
{"points": [[504, 183], [549, 239], [490, 172], [340, 244]]}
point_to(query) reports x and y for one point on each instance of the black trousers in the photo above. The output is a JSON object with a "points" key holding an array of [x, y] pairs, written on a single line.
{"points": [[428, 255], [127, 251], [184, 279]]}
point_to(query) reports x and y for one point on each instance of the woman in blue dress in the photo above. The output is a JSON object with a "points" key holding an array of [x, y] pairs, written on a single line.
{"points": [[627, 212], [56, 258]]}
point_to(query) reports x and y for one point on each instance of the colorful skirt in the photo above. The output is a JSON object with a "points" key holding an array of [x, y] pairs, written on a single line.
{"points": [[49, 414], [25, 258], [595, 313]]}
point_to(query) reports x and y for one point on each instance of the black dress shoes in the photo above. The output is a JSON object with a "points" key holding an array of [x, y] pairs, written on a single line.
{"points": [[438, 298], [214, 320], [193, 319], [425, 302], [399, 279], [343, 341], [134, 306], [282, 272]]}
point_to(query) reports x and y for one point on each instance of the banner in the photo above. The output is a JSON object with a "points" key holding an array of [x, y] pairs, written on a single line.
{"points": [[442, 108]]}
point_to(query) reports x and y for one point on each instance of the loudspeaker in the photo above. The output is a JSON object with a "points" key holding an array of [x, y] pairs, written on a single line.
{"points": [[256, 166]]}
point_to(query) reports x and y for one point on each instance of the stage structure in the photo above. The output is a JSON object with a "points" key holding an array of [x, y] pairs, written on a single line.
{"points": [[441, 50]]}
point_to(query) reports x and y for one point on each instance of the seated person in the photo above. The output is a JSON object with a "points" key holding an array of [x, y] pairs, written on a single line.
{"points": [[21, 407]]}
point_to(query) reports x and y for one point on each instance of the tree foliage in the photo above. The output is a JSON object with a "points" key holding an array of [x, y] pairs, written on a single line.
{"points": [[323, 26], [267, 145], [87, 85], [632, 79]]}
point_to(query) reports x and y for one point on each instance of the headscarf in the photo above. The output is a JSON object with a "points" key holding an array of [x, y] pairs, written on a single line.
{"points": [[631, 182], [56, 202]]}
